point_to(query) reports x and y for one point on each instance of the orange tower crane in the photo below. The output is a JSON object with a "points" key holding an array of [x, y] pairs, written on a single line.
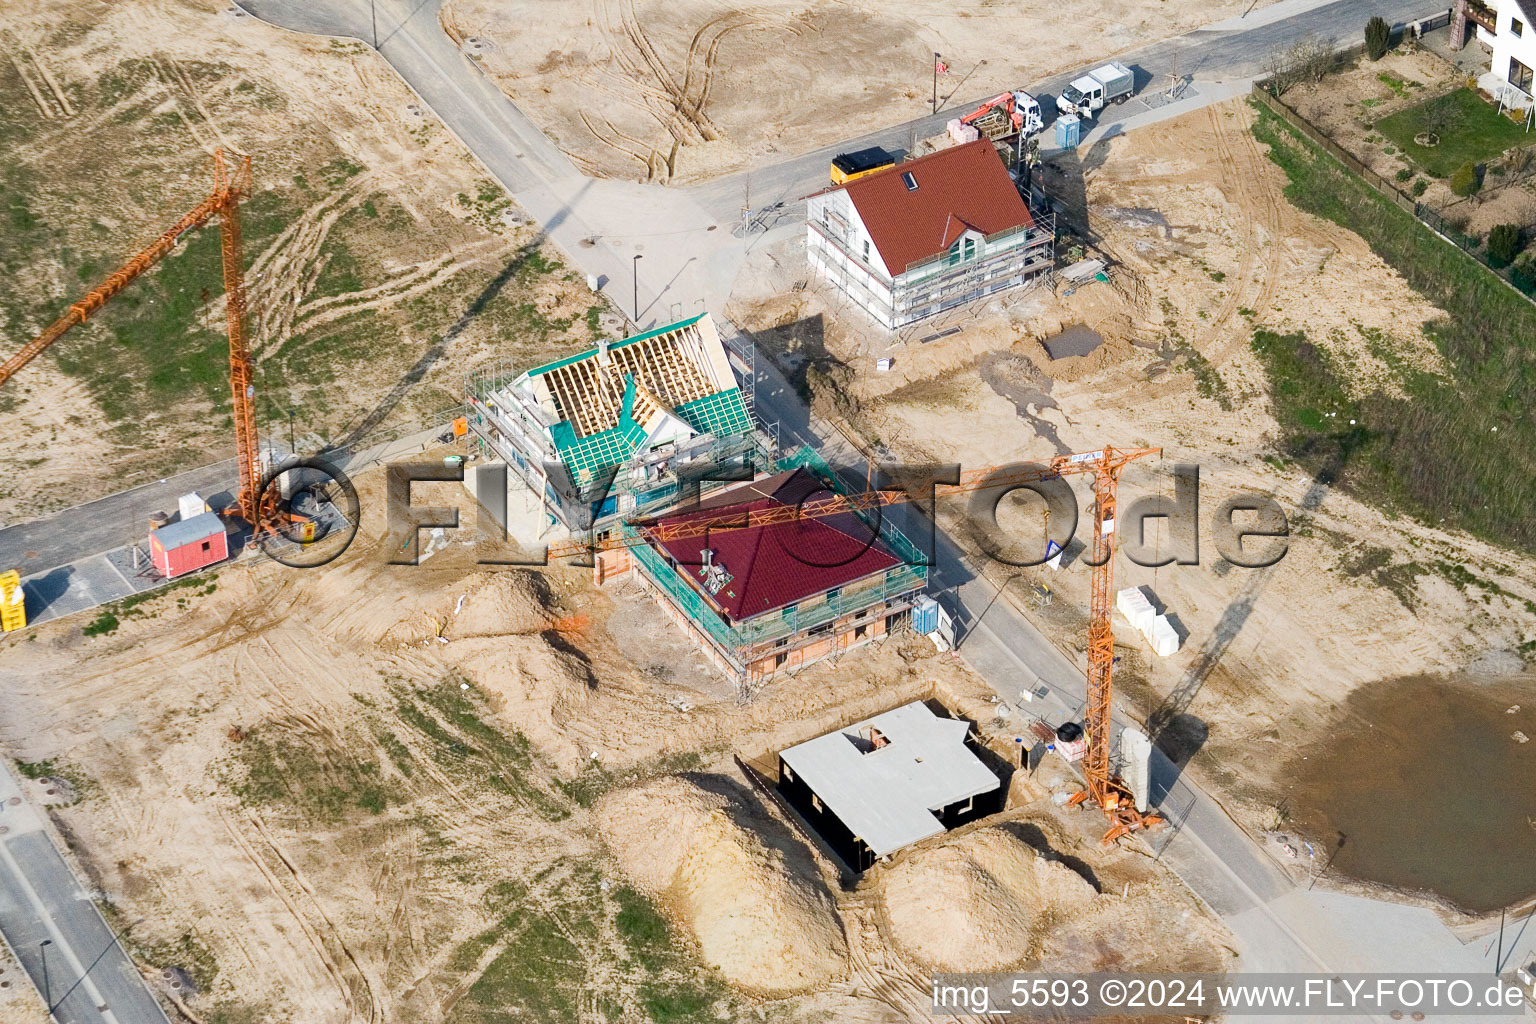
{"points": [[224, 202], [1104, 790]]}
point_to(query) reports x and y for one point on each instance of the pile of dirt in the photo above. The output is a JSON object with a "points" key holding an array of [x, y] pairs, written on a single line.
{"points": [[980, 902], [755, 905], [483, 604]]}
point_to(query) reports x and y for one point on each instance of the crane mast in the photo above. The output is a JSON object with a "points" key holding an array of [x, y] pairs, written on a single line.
{"points": [[230, 186], [1103, 789]]}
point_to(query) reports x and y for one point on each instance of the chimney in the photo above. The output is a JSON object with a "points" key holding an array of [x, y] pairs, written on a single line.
{"points": [[602, 351]]}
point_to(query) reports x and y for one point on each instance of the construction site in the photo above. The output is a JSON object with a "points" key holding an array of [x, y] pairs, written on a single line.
{"points": [[471, 639]]}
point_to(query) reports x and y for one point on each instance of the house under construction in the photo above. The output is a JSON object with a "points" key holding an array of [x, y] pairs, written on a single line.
{"points": [[622, 428], [760, 599]]}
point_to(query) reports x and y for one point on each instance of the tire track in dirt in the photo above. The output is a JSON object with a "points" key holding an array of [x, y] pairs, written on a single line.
{"points": [[297, 875], [311, 936]]}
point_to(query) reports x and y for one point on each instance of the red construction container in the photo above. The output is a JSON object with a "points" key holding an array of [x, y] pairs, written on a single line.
{"points": [[190, 544]]}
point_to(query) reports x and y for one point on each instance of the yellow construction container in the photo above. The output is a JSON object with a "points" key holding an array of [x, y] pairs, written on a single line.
{"points": [[13, 604]]}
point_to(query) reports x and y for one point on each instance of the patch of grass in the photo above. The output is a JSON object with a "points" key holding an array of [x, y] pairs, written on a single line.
{"points": [[1377, 565], [112, 615], [1470, 130], [279, 769], [1434, 451], [1398, 85], [554, 938], [641, 927], [594, 780], [449, 714], [104, 623], [186, 951], [149, 348], [594, 320]]}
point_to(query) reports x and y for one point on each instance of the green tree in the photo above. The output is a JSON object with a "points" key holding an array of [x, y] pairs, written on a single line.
{"points": [[1378, 37], [1464, 182], [1503, 244]]}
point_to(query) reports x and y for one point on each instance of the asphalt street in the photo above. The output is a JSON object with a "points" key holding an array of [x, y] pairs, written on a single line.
{"points": [[46, 916], [1278, 926]]}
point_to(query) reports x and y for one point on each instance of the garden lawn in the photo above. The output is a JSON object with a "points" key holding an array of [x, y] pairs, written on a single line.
{"points": [[1471, 131]]}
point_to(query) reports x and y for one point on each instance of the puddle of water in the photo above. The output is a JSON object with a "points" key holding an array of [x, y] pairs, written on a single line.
{"points": [[1431, 791], [1019, 380], [1078, 340]]}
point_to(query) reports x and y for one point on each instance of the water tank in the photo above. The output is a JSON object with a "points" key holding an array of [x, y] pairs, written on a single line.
{"points": [[1069, 732]]}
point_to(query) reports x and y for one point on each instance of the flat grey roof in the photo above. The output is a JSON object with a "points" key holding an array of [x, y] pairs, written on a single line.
{"points": [[185, 531], [888, 797]]}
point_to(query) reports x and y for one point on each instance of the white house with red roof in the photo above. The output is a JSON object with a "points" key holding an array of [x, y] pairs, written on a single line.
{"points": [[927, 235], [1508, 28]]}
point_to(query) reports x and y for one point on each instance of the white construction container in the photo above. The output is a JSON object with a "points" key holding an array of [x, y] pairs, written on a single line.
{"points": [[191, 506], [1163, 637]]}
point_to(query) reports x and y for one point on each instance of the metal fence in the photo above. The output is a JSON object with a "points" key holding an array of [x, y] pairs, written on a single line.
{"points": [[1434, 221]]}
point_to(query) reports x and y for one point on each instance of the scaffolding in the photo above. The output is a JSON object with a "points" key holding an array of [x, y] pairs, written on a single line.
{"points": [[834, 617]]}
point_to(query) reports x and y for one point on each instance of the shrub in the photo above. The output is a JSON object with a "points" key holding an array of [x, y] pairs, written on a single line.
{"points": [[1404, 173], [1464, 181], [1503, 244], [1420, 187], [1523, 276], [1378, 36]]}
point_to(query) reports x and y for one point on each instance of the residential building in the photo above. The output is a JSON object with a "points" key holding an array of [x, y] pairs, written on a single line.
{"points": [[928, 235], [619, 429], [1508, 29], [888, 782], [759, 599]]}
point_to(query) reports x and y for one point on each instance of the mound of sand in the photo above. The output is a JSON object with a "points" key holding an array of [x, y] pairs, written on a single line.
{"points": [[541, 690], [979, 903], [416, 609], [498, 603], [758, 910]]}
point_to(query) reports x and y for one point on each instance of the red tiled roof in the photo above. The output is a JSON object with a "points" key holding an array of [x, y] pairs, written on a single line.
{"points": [[962, 187], [769, 565]]}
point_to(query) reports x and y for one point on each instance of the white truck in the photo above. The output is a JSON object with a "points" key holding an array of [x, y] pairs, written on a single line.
{"points": [[1086, 96]]}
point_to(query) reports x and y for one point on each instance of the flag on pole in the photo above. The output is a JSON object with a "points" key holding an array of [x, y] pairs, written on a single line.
{"points": [[941, 67]]}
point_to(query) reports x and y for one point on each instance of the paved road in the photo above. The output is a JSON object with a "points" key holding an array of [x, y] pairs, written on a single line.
{"points": [[1234, 49], [684, 236], [1278, 926], [46, 914]]}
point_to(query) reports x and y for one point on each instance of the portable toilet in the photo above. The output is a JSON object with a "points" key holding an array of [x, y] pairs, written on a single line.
{"points": [[925, 615], [1069, 131]]}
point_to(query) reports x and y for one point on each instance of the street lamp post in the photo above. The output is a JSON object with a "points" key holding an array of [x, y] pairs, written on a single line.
{"points": [[47, 989], [373, 16], [293, 448], [635, 267]]}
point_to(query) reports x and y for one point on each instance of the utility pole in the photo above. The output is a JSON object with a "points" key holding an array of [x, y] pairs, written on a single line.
{"points": [[293, 448], [373, 15], [635, 266], [47, 988]]}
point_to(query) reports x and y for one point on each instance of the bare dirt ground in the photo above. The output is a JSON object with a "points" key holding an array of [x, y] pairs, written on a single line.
{"points": [[683, 91], [373, 792], [1208, 250], [381, 262]]}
